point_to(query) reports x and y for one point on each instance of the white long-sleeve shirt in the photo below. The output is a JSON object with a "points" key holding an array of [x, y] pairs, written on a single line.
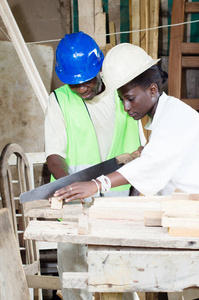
{"points": [[171, 158]]}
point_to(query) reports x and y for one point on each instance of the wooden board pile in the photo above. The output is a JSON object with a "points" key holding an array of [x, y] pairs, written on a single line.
{"points": [[119, 208], [179, 212], [180, 215]]}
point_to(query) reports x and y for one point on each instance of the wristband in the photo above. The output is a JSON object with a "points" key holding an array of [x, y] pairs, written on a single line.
{"points": [[105, 184]]}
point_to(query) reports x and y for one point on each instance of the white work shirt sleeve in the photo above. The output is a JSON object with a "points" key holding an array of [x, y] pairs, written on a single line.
{"points": [[160, 158], [55, 129]]}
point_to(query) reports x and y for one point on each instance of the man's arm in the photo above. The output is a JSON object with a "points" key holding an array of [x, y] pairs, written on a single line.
{"points": [[57, 166]]}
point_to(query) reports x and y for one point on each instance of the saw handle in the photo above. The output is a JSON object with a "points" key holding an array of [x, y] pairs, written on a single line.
{"points": [[127, 157]]}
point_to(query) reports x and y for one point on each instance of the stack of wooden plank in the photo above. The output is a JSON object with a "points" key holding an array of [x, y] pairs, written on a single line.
{"points": [[122, 209], [180, 215], [179, 212]]}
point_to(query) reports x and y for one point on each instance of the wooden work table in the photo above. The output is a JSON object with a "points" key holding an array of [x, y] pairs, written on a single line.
{"points": [[124, 255]]}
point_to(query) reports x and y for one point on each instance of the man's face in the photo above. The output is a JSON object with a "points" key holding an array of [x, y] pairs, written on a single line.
{"points": [[87, 90]]}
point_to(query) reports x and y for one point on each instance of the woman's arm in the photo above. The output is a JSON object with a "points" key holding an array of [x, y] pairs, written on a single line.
{"points": [[81, 190]]}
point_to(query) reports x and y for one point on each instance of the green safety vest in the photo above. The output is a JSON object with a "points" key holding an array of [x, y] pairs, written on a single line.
{"points": [[83, 150]]}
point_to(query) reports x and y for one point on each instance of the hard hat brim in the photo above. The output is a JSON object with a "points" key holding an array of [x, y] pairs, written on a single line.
{"points": [[126, 77]]}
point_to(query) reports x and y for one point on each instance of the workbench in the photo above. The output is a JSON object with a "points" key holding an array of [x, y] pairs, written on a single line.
{"points": [[124, 255]]}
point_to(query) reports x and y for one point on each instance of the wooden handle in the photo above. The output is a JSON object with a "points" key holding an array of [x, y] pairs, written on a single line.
{"points": [[127, 157]]}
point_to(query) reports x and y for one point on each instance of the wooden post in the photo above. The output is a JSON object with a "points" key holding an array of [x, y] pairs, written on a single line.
{"points": [[100, 30], [112, 30], [134, 15], [86, 16], [147, 24], [153, 34]]}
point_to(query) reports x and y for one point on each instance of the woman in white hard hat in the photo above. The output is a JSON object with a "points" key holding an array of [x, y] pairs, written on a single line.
{"points": [[170, 160]]}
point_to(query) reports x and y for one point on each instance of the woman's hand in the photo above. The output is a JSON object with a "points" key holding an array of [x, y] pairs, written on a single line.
{"points": [[77, 190]]}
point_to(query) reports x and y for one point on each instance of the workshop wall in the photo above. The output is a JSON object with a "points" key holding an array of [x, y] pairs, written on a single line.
{"points": [[49, 21]]}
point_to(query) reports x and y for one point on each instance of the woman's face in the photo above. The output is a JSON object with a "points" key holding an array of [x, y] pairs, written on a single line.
{"points": [[139, 102]]}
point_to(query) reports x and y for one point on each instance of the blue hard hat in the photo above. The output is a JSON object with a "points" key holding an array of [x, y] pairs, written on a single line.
{"points": [[78, 58]]}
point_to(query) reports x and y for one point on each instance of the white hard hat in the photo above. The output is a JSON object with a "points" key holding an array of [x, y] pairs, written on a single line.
{"points": [[123, 63]]}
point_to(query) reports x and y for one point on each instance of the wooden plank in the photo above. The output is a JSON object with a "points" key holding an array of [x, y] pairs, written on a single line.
{"points": [[107, 48], [184, 232], [190, 48], [112, 36], [192, 7], [153, 34], [41, 209], [130, 199], [180, 213], [191, 293], [190, 62], [188, 215], [178, 222], [31, 269], [194, 103], [185, 196], [142, 204], [98, 6], [108, 232], [139, 270], [115, 213], [55, 203], [111, 296], [185, 206], [134, 17], [176, 38], [34, 159], [126, 208], [100, 29], [134, 212], [153, 218], [59, 294], [86, 15], [147, 24], [144, 36], [75, 280], [143, 24], [72, 211], [83, 224], [114, 16], [12, 276], [24, 54], [44, 282]]}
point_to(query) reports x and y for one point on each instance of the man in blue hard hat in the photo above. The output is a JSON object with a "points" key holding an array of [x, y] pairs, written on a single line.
{"points": [[83, 127]]}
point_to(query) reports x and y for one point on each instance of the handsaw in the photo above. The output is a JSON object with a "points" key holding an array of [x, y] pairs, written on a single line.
{"points": [[47, 190]]}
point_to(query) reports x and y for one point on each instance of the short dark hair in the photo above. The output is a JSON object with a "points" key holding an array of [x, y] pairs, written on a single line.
{"points": [[152, 75]]}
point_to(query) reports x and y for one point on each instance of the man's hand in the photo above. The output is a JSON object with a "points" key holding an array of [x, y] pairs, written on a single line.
{"points": [[138, 152]]}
